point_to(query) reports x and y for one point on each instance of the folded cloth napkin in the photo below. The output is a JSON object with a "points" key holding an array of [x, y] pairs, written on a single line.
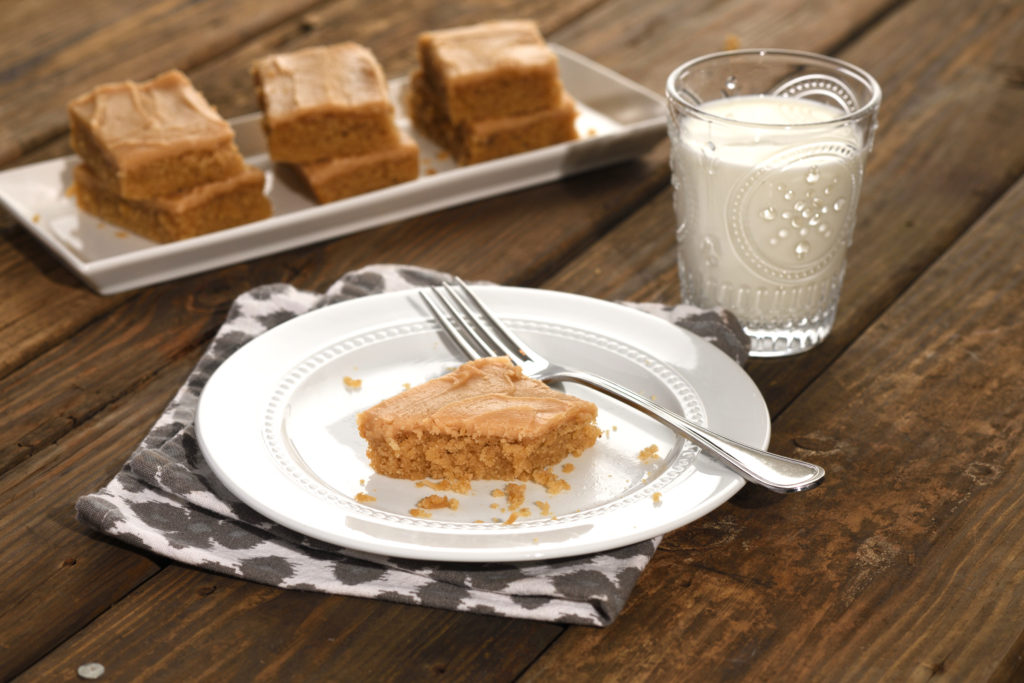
{"points": [[167, 500]]}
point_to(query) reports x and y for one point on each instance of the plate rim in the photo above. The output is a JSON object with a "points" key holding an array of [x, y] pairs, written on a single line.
{"points": [[728, 481]]}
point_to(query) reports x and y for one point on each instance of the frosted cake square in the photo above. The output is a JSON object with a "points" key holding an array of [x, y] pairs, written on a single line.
{"points": [[324, 102], [485, 420], [475, 141], [154, 138], [491, 69]]}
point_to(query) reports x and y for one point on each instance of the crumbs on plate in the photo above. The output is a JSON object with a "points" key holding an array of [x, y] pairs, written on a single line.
{"points": [[437, 502], [649, 453], [455, 485], [551, 482], [515, 494]]}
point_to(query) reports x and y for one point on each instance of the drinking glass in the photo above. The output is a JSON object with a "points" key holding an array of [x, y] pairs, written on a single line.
{"points": [[768, 150]]}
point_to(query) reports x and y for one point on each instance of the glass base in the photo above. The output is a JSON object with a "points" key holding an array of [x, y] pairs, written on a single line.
{"points": [[775, 342]]}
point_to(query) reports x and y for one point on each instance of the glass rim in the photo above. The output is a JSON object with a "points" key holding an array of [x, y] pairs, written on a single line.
{"points": [[673, 93]]}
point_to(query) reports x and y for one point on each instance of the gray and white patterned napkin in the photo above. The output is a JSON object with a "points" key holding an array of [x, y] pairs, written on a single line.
{"points": [[167, 500]]}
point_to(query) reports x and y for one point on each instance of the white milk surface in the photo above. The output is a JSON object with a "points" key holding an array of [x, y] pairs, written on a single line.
{"points": [[766, 205]]}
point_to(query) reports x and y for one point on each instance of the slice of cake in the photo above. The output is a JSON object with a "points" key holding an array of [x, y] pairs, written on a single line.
{"points": [[340, 177], [151, 139], [324, 101], [471, 142], [490, 90], [491, 69], [485, 420], [205, 208]]}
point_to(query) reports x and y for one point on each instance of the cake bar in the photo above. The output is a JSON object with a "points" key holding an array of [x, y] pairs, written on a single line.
{"points": [[323, 102], [471, 142], [488, 70], [201, 209], [490, 90], [340, 177], [485, 420], [150, 139]]}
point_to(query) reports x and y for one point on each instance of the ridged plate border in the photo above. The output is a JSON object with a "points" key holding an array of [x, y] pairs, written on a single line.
{"points": [[291, 464]]}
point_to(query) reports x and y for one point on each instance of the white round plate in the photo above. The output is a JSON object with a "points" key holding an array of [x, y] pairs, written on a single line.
{"points": [[277, 423]]}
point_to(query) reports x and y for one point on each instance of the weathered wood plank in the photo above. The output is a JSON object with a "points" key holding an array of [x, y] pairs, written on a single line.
{"points": [[56, 575], [293, 635]]}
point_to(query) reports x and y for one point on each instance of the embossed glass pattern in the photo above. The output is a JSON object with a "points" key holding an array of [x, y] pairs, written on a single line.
{"points": [[768, 151]]}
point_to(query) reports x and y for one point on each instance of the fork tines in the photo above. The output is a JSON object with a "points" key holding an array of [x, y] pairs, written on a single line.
{"points": [[470, 324]]}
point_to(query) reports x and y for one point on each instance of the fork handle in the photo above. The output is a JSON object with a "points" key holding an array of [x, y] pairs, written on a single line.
{"points": [[775, 472]]}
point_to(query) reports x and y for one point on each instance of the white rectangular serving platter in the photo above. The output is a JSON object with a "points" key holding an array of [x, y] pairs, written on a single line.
{"points": [[618, 120]]}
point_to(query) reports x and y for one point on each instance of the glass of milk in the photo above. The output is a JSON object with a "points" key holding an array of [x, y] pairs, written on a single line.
{"points": [[768, 151]]}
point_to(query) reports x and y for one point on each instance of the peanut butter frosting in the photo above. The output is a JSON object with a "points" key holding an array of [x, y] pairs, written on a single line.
{"points": [[346, 75], [489, 397], [484, 47], [151, 117]]}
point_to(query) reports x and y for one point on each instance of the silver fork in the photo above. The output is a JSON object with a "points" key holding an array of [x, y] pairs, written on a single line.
{"points": [[456, 309]]}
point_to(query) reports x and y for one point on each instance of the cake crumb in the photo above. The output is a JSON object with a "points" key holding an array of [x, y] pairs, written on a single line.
{"points": [[511, 519], [497, 493], [568, 467], [455, 485], [649, 453], [515, 494], [364, 498], [524, 512], [551, 482], [657, 499], [436, 502], [495, 506], [416, 512], [544, 506], [731, 42], [352, 383]]}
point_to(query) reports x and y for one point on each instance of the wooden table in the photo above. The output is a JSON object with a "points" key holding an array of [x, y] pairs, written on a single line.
{"points": [[907, 564]]}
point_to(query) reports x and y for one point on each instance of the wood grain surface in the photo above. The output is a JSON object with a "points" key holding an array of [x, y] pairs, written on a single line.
{"points": [[905, 564]]}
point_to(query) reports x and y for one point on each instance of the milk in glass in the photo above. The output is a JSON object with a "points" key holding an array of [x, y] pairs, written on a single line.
{"points": [[766, 190]]}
